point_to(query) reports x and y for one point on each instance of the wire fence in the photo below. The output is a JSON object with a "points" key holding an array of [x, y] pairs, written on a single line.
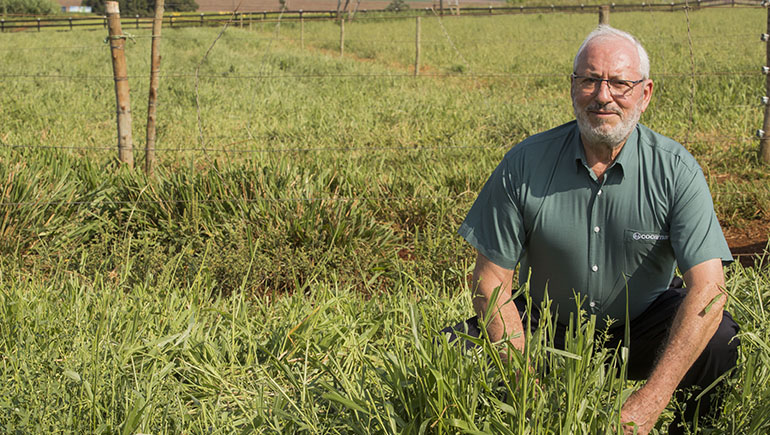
{"points": [[472, 75], [245, 18]]}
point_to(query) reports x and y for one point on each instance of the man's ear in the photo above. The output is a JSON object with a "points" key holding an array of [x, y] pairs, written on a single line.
{"points": [[647, 96]]}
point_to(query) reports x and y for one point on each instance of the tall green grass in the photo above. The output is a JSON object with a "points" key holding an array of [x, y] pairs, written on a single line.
{"points": [[102, 355]]}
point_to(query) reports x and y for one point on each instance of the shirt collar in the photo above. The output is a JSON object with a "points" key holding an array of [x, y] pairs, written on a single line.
{"points": [[627, 158]]}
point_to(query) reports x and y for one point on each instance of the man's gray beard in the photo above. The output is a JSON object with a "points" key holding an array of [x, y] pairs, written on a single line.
{"points": [[612, 138]]}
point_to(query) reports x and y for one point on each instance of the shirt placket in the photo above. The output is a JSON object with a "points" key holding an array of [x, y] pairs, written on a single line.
{"points": [[595, 263]]}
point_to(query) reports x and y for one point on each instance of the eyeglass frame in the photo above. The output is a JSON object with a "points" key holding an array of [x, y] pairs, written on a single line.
{"points": [[596, 80]]}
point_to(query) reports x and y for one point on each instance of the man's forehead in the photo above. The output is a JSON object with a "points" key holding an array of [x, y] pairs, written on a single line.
{"points": [[614, 50]]}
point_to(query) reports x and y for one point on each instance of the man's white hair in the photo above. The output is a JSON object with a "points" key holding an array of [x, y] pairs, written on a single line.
{"points": [[604, 31]]}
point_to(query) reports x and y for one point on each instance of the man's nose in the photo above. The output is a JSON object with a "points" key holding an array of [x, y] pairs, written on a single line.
{"points": [[604, 93]]}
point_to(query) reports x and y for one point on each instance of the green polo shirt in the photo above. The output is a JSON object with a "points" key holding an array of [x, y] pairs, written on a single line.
{"points": [[544, 209]]}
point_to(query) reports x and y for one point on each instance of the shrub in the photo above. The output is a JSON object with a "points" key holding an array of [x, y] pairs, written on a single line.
{"points": [[397, 5], [30, 7]]}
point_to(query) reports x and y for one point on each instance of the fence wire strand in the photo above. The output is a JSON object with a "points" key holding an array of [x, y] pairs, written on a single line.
{"points": [[710, 140], [236, 200], [472, 75]]}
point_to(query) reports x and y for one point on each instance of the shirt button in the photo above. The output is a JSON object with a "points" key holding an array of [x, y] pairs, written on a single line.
{"points": [[596, 229], [592, 304], [594, 268], [599, 192]]}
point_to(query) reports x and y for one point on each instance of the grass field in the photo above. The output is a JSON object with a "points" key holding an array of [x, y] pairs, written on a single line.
{"points": [[289, 264]]}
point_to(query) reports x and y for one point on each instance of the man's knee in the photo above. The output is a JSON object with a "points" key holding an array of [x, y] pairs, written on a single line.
{"points": [[725, 342]]}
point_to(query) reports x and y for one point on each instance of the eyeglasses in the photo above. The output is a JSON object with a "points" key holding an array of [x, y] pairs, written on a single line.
{"points": [[618, 88]]}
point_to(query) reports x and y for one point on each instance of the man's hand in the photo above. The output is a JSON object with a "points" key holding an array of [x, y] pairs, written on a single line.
{"points": [[642, 408], [695, 323]]}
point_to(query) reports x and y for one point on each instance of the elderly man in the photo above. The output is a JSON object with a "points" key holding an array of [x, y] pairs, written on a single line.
{"points": [[605, 208]]}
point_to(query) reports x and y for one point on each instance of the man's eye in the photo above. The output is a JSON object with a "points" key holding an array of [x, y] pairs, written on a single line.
{"points": [[619, 83]]}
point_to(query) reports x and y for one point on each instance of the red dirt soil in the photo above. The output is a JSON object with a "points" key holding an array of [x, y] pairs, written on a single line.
{"points": [[748, 243]]}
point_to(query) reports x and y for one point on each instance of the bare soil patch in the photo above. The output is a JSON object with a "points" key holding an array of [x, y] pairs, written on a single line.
{"points": [[748, 243]]}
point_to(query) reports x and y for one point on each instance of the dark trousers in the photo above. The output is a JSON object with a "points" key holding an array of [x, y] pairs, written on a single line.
{"points": [[648, 336]]}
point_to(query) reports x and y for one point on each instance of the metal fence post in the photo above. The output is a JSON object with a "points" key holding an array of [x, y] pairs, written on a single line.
{"points": [[417, 48], [764, 140], [301, 30]]}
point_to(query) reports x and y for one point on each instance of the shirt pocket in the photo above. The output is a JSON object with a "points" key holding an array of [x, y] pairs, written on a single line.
{"points": [[647, 251]]}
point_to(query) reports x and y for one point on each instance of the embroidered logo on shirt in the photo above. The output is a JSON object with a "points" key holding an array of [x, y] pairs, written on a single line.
{"points": [[647, 236]]}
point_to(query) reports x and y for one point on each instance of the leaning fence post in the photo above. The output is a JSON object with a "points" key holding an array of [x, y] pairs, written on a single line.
{"points": [[604, 15], [120, 71], [417, 48], [764, 136], [342, 37], [149, 150]]}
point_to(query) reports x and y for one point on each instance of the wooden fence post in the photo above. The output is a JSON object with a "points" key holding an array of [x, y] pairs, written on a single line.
{"points": [[149, 150], [764, 141], [417, 49], [301, 30], [441, 7], [120, 72], [342, 37], [604, 15]]}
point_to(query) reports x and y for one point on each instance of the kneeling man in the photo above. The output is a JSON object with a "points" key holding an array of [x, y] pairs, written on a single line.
{"points": [[606, 208]]}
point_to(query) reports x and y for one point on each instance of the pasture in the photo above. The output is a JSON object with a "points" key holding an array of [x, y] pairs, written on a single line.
{"points": [[289, 264]]}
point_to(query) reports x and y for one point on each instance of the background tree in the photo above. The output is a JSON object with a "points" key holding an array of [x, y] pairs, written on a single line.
{"points": [[31, 7], [143, 7], [397, 5]]}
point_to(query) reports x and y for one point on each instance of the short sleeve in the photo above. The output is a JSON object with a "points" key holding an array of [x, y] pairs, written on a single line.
{"points": [[695, 232], [494, 224]]}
